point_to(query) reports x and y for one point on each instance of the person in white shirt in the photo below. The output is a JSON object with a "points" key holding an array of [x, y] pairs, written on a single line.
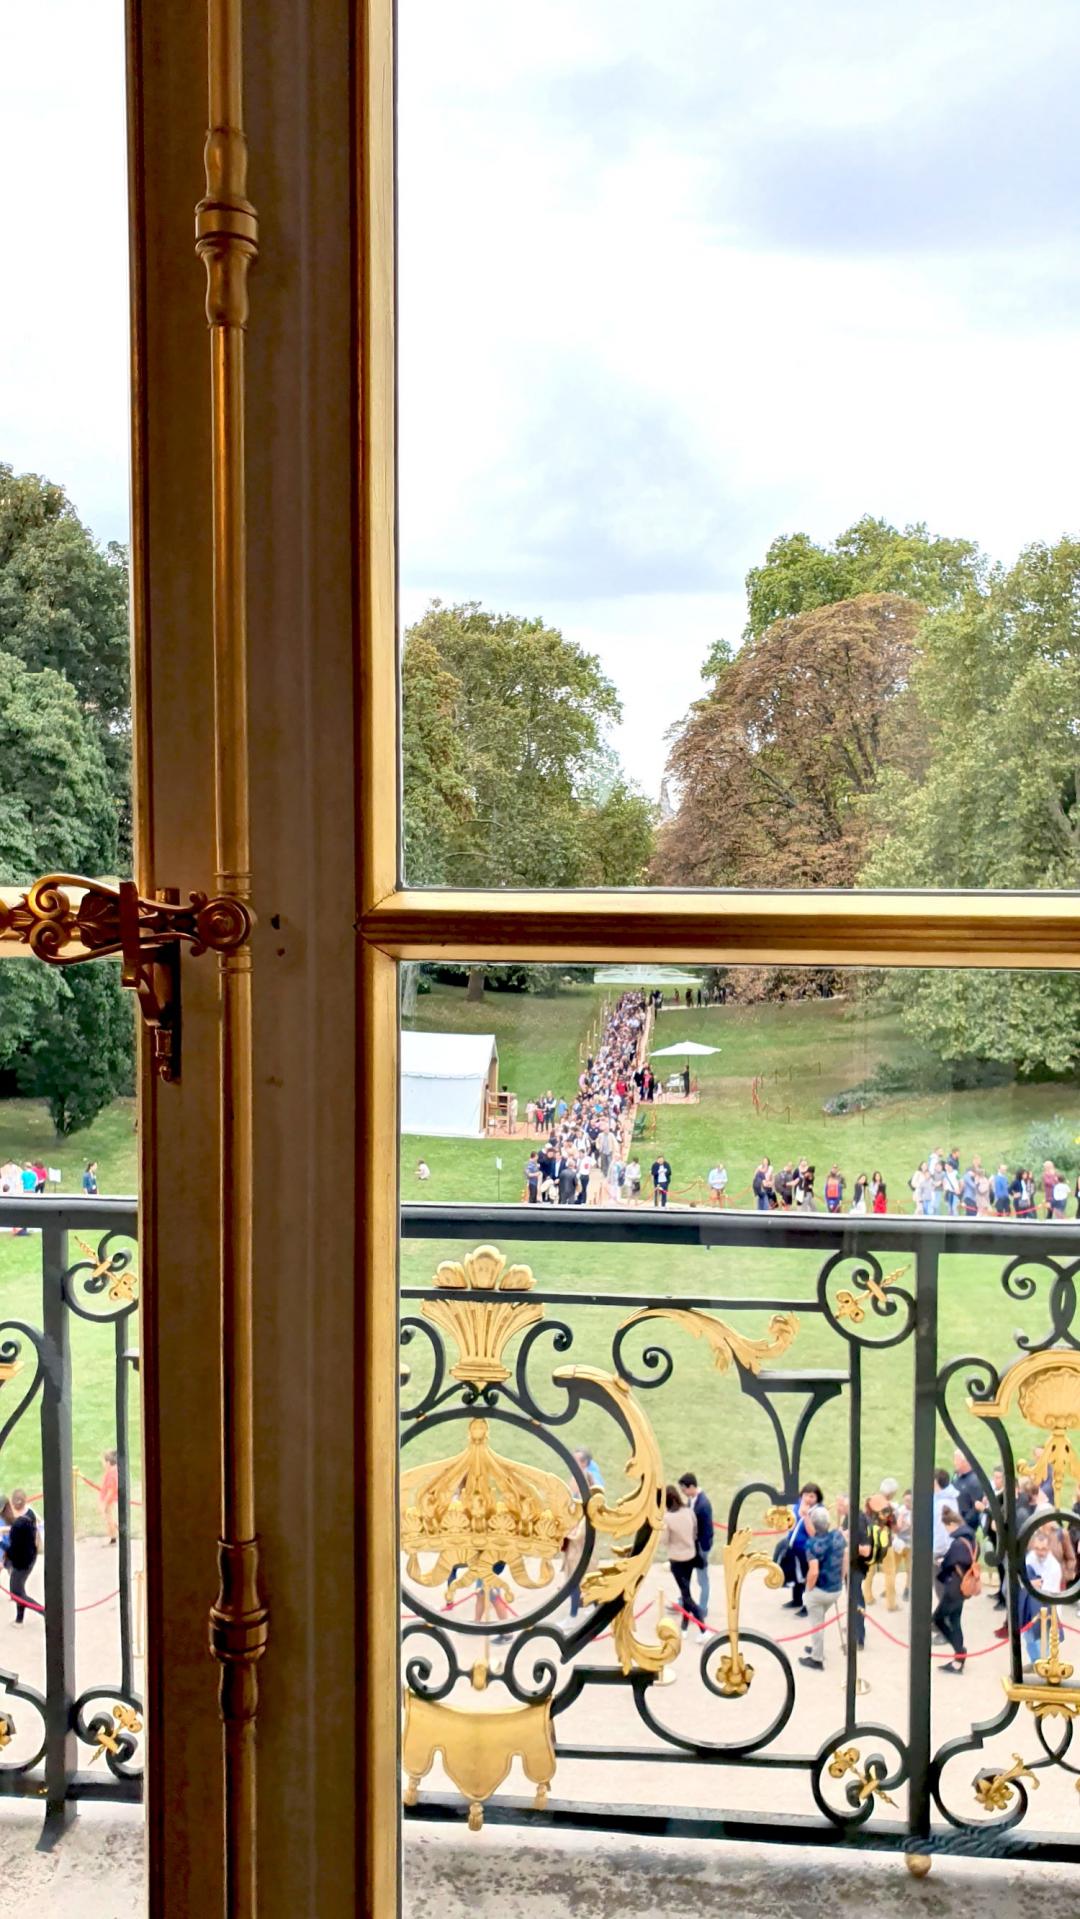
{"points": [[718, 1180], [1043, 1568], [946, 1498], [423, 1170]]}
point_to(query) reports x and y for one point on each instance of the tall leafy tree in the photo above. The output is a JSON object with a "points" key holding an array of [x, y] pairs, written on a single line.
{"points": [[869, 557], [772, 765], [507, 779], [65, 734], [68, 1036], [997, 800], [64, 605]]}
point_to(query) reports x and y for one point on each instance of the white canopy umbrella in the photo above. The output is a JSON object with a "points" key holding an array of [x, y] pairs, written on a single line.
{"points": [[689, 1048]]}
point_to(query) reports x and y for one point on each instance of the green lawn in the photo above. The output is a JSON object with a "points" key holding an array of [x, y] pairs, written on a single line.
{"points": [[26, 1131], [808, 1050], [539, 1041]]}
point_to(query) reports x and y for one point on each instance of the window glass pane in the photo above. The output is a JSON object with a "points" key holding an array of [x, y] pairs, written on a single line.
{"points": [[814, 1274], [72, 1638], [736, 408]]}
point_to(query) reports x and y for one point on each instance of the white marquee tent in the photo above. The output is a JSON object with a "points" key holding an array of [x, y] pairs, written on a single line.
{"points": [[445, 1080]]}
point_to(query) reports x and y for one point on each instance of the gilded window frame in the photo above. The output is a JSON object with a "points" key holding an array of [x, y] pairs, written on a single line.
{"points": [[396, 923]]}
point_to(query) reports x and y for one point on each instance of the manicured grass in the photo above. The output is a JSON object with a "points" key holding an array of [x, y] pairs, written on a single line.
{"points": [[539, 1040], [26, 1131], [808, 1050]]}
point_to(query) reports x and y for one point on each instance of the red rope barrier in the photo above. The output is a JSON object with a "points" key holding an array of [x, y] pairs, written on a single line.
{"points": [[33, 1606]]}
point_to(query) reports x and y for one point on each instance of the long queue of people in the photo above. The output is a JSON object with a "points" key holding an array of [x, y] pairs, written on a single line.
{"points": [[938, 1188], [584, 1139]]}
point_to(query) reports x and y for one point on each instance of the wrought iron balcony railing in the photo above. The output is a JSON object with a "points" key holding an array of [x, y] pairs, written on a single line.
{"points": [[535, 1628], [71, 1713]]}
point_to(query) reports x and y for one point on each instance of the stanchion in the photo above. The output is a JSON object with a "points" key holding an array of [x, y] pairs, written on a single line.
{"points": [[666, 1676]]}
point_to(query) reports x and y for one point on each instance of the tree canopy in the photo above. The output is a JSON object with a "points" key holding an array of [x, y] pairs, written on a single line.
{"points": [[997, 799], [772, 764], [64, 605], [507, 779], [64, 785], [869, 557]]}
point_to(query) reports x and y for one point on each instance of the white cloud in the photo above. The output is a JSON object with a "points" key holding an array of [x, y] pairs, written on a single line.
{"points": [[673, 280], [677, 280], [64, 406]]}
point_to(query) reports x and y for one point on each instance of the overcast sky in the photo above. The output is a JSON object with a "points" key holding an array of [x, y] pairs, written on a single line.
{"points": [[674, 279]]}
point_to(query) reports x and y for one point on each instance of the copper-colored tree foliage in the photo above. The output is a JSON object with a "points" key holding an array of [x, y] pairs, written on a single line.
{"points": [[771, 765]]}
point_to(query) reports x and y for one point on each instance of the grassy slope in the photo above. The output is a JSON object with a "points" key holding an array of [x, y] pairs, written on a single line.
{"points": [[26, 1130], [538, 1041], [809, 1050]]}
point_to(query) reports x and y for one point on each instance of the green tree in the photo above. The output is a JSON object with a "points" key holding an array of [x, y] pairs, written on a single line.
{"points": [[80, 1053], [57, 814], [526, 710], [869, 557], [64, 605], [507, 779], [771, 765], [995, 803]]}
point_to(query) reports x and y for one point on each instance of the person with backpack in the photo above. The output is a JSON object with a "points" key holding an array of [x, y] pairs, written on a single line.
{"points": [[24, 1541], [834, 1189], [958, 1579]]}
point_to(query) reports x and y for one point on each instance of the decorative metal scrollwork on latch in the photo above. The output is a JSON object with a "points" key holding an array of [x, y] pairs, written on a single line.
{"points": [[65, 920]]}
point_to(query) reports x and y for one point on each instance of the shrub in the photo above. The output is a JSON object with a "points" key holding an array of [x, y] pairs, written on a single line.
{"points": [[857, 1099], [1053, 1139]]}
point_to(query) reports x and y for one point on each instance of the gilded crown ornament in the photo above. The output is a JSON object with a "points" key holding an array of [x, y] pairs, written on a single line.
{"points": [[483, 1323]]}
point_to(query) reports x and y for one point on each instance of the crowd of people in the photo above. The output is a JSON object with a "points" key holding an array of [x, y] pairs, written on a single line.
{"points": [[584, 1154], [824, 1554], [938, 1188]]}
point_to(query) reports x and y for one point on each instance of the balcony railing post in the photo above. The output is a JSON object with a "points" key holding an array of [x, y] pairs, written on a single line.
{"points": [[921, 1582], [57, 1461]]}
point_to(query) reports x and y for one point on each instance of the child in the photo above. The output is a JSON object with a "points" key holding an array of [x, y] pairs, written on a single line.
{"points": [[109, 1496]]}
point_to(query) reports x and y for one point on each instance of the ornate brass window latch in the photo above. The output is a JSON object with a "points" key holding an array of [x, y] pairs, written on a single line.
{"points": [[64, 921]]}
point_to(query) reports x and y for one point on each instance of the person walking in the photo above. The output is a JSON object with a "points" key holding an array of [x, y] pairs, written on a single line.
{"points": [[879, 1199], [661, 1180], [24, 1543], [834, 1189], [109, 1495], [957, 1580], [999, 1191], [89, 1178], [826, 1566], [701, 1506], [946, 1498], [679, 1535], [859, 1193]]}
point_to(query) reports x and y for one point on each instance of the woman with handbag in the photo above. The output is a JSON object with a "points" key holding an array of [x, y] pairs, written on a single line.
{"points": [[958, 1579]]}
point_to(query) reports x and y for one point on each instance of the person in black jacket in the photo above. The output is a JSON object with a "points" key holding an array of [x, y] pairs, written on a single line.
{"points": [[706, 1533], [969, 1486], [22, 1550], [962, 1553]]}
